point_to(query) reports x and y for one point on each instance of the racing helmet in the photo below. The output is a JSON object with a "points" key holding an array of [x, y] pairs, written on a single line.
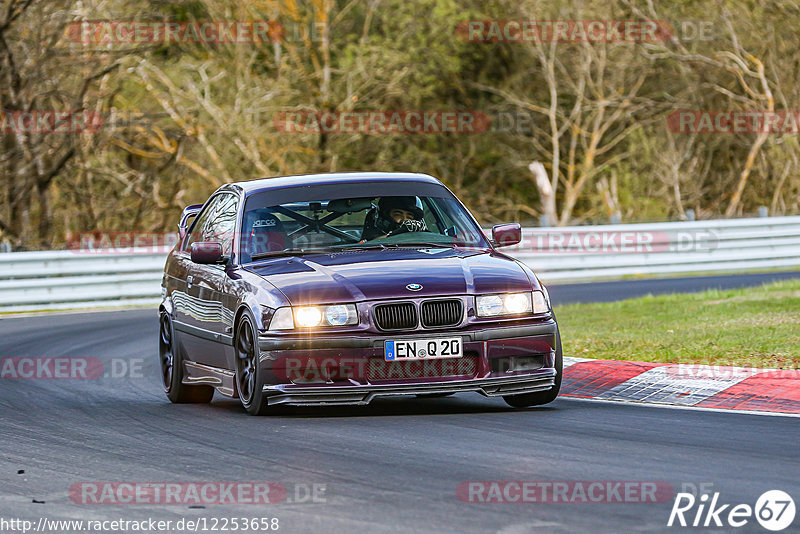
{"points": [[378, 221]]}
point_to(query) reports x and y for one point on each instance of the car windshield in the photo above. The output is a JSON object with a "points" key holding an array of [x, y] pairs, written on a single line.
{"points": [[335, 224]]}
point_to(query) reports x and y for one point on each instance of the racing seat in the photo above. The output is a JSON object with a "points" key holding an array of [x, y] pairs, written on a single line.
{"points": [[262, 232]]}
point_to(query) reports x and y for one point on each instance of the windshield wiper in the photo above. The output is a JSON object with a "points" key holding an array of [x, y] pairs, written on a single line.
{"points": [[291, 252], [413, 244], [419, 244], [365, 246]]}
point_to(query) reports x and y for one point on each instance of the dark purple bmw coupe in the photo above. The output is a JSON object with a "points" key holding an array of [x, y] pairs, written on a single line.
{"points": [[340, 288]]}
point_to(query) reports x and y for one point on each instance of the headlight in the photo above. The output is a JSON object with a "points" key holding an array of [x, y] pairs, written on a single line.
{"points": [[511, 304], [307, 317], [508, 304], [314, 316], [546, 295], [282, 320], [340, 315], [541, 302]]}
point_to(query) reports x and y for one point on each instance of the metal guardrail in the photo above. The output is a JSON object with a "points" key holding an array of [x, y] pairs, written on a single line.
{"points": [[661, 248], [78, 279], [68, 279]]}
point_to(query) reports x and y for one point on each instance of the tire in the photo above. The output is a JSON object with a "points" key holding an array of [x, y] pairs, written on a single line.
{"points": [[172, 368], [249, 376], [539, 398]]}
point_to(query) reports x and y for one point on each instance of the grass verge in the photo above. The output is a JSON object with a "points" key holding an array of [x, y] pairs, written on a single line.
{"points": [[749, 327]]}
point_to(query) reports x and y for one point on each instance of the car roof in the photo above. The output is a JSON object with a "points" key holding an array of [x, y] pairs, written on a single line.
{"points": [[280, 182]]}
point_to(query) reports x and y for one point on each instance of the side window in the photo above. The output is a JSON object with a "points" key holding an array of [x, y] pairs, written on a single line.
{"points": [[201, 222], [432, 220], [222, 224]]}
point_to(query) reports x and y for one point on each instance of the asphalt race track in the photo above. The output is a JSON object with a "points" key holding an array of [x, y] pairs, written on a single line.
{"points": [[392, 466]]}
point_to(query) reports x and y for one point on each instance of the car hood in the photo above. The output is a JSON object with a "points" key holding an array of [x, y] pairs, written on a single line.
{"points": [[384, 274]]}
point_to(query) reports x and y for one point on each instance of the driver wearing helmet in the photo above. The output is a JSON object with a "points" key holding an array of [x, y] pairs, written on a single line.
{"points": [[394, 215]]}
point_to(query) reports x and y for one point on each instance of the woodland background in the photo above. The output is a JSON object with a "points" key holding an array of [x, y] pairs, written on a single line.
{"points": [[182, 119]]}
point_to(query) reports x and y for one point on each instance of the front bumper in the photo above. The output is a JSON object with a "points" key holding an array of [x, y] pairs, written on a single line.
{"points": [[343, 395], [350, 369]]}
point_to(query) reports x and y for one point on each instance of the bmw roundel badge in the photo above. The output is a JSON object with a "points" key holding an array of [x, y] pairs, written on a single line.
{"points": [[414, 287]]}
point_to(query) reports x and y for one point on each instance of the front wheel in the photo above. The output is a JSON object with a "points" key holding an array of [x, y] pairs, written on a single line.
{"points": [[541, 397], [172, 368], [249, 376]]}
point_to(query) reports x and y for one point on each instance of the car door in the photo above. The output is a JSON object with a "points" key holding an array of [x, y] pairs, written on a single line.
{"points": [[193, 300], [184, 272], [222, 229], [213, 318]]}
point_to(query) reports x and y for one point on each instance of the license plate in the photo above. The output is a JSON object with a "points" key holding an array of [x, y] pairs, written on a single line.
{"points": [[422, 349]]}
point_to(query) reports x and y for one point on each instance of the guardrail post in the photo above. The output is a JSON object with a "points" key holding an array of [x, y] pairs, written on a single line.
{"points": [[690, 215], [763, 211]]}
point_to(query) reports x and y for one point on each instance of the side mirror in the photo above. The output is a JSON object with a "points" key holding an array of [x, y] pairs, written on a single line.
{"points": [[504, 235], [188, 212], [207, 253]]}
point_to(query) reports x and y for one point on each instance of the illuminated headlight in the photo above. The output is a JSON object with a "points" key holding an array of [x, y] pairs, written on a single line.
{"points": [[308, 317], [314, 316], [511, 304]]}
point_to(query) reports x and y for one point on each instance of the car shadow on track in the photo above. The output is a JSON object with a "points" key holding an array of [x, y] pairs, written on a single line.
{"points": [[403, 406]]}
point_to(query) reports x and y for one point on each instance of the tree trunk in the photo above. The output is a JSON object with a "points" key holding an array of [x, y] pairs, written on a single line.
{"points": [[546, 192], [45, 216]]}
